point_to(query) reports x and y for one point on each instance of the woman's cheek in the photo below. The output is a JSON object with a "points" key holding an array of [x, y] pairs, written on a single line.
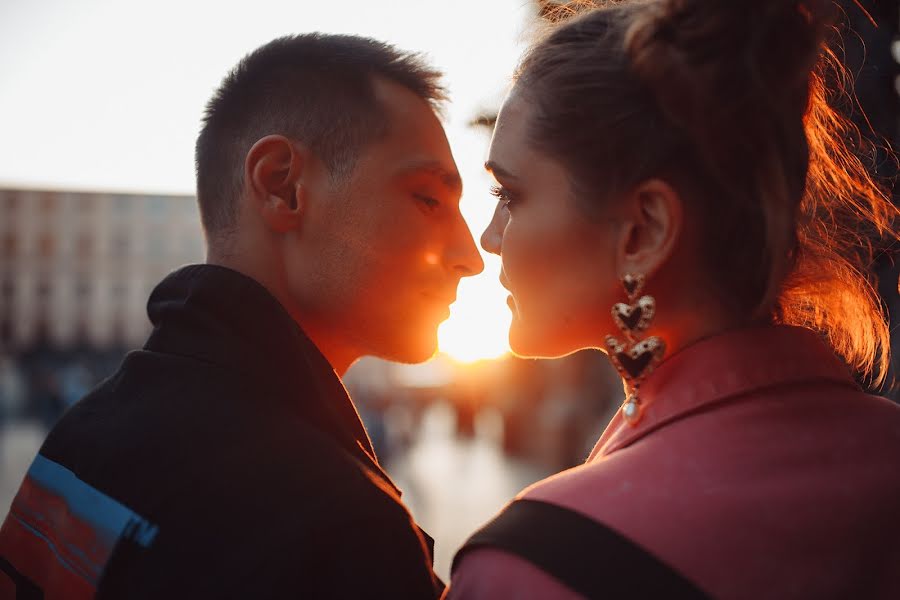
{"points": [[515, 256]]}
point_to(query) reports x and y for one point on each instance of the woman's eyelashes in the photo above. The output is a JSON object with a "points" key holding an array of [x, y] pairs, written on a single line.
{"points": [[502, 194]]}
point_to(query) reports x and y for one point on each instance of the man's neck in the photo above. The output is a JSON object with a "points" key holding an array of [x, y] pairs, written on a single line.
{"points": [[338, 355]]}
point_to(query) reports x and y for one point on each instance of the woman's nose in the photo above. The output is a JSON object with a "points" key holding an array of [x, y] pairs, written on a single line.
{"points": [[492, 237]]}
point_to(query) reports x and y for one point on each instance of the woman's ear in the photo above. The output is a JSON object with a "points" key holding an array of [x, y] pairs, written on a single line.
{"points": [[653, 222], [273, 172]]}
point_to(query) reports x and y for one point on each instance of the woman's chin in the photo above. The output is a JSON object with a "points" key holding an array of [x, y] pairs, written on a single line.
{"points": [[528, 342]]}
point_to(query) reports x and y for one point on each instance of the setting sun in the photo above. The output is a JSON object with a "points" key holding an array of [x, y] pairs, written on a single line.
{"points": [[479, 321], [478, 327]]}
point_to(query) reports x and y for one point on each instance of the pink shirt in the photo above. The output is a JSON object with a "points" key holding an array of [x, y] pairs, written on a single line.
{"points": [[758, 470]]}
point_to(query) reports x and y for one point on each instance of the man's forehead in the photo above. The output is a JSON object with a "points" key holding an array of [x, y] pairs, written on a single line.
{"points": [[415, 143]]}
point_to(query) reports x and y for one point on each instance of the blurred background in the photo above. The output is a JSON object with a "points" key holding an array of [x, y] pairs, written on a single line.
{"points": [[100, 104]]}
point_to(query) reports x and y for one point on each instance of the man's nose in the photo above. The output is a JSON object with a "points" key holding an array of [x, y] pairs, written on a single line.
{"points": [[463, 256], [492, 237]]}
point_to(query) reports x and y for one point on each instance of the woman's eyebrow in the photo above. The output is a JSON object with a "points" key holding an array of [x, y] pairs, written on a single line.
{"points": [[496, 169]]}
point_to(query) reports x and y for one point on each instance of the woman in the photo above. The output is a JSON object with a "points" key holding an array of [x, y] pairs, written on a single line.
{"points": [[674, 188]]}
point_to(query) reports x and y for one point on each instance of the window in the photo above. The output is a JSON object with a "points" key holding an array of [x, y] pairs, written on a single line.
{"points": [[46, 245], [156, 206], [82, 332], [82, 290], [10, 246], [122, 204], [189, 206], [43, 289], [84, 246], [156, 247], [84, 203], [121, 245], [6, 330], [118, 329], [11, 200], [48, 202], [41, 332], [8, 290], [192, 247]]}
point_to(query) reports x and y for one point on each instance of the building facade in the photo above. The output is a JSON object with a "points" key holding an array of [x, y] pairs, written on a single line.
{"points": [[76, 268]]}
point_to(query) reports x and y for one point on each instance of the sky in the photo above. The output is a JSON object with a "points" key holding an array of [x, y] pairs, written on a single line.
{"points": [[102, 95]]}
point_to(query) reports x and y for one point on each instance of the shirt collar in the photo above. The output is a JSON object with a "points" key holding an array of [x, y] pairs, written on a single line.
{"points": [[721, 367], [218, 315]]}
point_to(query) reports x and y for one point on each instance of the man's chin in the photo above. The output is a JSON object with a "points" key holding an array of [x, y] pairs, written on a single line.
{"points": [[410, 351]]}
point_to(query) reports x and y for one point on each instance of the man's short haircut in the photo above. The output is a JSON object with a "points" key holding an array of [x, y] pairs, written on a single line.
{"points": [[314, 88]]}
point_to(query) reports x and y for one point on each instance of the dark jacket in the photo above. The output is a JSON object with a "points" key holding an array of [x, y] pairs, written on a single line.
{"points": [[223, 460]]}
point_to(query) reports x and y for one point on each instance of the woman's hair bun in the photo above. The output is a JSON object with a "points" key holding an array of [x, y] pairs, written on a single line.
{"points": [[686, 51]]}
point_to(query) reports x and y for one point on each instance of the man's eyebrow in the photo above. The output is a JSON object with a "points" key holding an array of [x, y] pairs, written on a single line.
{"points": [[450, 179], [496, 169]]}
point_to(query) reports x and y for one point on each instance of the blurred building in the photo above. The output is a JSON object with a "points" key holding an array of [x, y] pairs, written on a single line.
{"points": [[76, 268]]}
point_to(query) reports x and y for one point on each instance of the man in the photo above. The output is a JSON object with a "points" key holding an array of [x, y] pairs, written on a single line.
{"points": [[224, 459]]}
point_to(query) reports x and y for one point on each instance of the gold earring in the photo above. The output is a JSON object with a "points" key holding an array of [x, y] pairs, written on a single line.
{"points": [[634, 358]]}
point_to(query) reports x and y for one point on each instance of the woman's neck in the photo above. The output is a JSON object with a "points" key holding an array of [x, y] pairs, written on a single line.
{"points": [[695, 319]]}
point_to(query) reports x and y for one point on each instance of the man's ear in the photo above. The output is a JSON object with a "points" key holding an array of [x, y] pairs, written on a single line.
{"points": [[273, 171], [653, 222]]}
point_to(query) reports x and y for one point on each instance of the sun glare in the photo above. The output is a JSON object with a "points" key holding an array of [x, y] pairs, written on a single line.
{"points": [[479, 322], [478, 327]]}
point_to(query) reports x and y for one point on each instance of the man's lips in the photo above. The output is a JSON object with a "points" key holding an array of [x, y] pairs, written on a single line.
{"points": [[442, 299]]}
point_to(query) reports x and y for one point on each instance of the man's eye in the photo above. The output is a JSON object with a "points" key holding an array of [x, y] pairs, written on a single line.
{"points": [[427, 200]]}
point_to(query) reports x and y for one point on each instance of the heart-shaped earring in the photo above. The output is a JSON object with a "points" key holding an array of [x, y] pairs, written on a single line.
{"points": [[635, 361], [633, 319], [633, 285], [634, 358]]}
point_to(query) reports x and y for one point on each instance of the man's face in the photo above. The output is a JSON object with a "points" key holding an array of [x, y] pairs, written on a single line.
{"points": [[382, 256]]}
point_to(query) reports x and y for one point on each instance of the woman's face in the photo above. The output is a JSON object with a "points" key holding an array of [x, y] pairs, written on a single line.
{"points": [[558, 264]]}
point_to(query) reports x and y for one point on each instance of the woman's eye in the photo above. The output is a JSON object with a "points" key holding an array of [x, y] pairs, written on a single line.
{"points": [[428, 201], [502, 194]]}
